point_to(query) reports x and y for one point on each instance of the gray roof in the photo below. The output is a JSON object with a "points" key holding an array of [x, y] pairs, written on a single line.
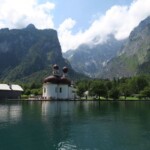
{"points": [[8, 87]]}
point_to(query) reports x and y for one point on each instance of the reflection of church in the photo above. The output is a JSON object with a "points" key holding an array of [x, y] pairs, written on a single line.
{"points": [[57, 86]]}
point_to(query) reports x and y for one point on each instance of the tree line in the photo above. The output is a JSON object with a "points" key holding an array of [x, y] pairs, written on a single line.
{"points": [[136, 87], [124, 88]]}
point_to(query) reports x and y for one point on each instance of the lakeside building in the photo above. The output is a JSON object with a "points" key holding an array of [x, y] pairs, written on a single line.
{"points": [[58, 87], [10, 91]]}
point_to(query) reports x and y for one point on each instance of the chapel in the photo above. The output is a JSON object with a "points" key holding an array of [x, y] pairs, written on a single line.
{"points": [[58, 87]]}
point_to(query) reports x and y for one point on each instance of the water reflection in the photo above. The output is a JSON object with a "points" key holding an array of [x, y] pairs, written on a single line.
{"points": [[67, 108], [10, 113], [75, 125], [57, 108]]}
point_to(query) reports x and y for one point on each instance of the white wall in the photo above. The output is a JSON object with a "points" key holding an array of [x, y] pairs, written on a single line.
{"points": [[72, 93], [50, 91], [61, 91], [64, 92]]}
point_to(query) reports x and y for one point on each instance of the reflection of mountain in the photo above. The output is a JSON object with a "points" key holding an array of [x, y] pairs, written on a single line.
{"points": [[10, 113]]}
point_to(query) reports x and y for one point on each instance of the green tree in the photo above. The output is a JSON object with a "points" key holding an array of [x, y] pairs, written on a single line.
{"points": [[138, 83], [80, 89], [98, 88], [114, 93], [108, 85], [27, 92], [145, 93], [125, 90]]}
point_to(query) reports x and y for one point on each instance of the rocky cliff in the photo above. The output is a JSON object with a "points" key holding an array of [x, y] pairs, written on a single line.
{"points": [[28, 54]]}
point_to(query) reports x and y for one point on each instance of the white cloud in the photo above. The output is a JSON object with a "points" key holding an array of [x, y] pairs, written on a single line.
{"points": [[20, 13], [118, 20], [65, 34]]}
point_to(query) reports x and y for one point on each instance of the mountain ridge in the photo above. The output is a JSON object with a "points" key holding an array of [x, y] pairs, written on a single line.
{"points": [[133, 55], [28, 53], [129, 58], [91, 59]]}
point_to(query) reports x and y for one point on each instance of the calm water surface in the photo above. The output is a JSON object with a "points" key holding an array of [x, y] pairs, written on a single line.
{"points": [[75, 125]]}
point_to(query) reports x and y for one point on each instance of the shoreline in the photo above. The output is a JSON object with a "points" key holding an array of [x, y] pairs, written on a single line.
{"points": [[26, 100]]}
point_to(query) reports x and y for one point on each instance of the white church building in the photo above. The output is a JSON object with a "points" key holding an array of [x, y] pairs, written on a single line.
{"points": [[58, 87]]}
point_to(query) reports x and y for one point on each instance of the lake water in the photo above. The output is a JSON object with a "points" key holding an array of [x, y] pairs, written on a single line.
{"points": [[75, 125]]}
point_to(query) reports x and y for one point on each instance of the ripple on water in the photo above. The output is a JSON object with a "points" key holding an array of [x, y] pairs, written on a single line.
{"points": [[66, 145]]}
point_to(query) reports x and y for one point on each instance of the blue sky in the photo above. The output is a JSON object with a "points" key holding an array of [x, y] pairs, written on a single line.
{"points": [[83, 11], [76, 21]]}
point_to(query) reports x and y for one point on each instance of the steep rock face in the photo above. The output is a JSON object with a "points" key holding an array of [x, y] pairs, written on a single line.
{"points": [[28, 54], [134, 56], [90, 60], [144, 68]]}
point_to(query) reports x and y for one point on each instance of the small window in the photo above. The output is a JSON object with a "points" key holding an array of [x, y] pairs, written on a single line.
{"points": [[60, 90]]}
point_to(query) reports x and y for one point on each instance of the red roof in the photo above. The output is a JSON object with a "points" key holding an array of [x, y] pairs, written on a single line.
{"points": [[52, 79], [64, 80], [57, 80]]}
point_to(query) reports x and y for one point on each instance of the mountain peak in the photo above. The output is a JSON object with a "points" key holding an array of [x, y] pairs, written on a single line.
{"points": [[31, 27], [145, 22]]}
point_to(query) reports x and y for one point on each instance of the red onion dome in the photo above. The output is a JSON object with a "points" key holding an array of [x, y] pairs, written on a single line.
{"points": [[64, 80], [65, 69], [56, 67], [52, 79]]}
